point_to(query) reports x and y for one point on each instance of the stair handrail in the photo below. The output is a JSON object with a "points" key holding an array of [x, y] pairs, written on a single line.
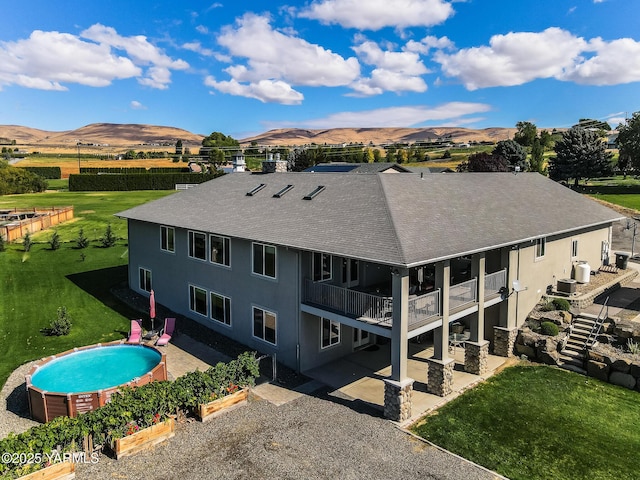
{"points": [[597, 325]]}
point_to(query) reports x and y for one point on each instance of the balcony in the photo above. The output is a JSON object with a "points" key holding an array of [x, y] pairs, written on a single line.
{"points": [[378, 310]]}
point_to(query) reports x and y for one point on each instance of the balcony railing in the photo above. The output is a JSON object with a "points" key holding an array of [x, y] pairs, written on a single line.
{"points": [[463, 293], [493, 282], [378, 309]]}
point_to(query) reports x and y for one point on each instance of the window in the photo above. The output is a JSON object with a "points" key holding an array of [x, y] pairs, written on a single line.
{"points": [[574, 248], [264, 260], [221, 308], [167, 239], [264, 325], [321, 267], [145, 279], [219, 249], [541, 246], [198, 300], [330, 333], [198, 245]]}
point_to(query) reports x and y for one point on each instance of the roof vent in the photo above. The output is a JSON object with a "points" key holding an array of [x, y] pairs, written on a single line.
{"points": [[313, 194], [283, 191], [256, 190]]}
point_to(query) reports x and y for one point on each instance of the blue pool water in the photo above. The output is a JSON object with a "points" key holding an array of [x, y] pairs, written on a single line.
{"points": [[96, 368]]}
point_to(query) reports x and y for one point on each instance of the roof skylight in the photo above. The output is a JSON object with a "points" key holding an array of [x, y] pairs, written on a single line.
{"points": [[256, 190], [283, 191], [313, 194]]}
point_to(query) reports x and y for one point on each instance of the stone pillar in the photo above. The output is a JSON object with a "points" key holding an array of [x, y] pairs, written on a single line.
{"points": [[397, 399], [440, 376], [504, 340], [475, 357]]}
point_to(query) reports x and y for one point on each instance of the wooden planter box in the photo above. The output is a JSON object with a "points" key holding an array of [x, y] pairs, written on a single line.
{"points": [[145, 438], [57, 471], [207, 411]]}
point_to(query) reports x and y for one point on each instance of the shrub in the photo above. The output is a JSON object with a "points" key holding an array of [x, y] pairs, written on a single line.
{"points": [[561, 304], [27, 242], [548, 307], [633, 347], [82, 241], [61, 325], [549, 328], [54, 242], [108, 239]]}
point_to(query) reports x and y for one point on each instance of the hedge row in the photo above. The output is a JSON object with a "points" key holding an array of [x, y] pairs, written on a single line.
{"points": [[45, 172], [125, 170], [147, 181], [129, 410], [608, 189]]}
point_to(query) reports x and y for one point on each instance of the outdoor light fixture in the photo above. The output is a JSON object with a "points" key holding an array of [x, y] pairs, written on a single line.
{"points": [[504, 291]]}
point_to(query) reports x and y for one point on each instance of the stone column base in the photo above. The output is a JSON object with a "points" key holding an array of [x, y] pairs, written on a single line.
{"points": [[504, 340], [397, 399], [440, 376], [475, 357]]}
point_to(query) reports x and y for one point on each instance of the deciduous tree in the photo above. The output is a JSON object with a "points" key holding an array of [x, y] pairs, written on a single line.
{"points": [[526, 133], [629, 140]]}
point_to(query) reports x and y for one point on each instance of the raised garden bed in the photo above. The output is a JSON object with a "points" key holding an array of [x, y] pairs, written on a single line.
{"points": [[143, 439], [207, 411], [57, 471]]}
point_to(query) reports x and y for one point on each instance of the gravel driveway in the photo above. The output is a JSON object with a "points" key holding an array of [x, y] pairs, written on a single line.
{"points": [[312, 437]]}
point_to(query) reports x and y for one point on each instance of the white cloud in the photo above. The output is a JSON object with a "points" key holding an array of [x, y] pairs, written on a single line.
{"points": [[514, 58], [267, 91], [198, 48], [141, 52], [202, 29], [136, 105], [393, 116], [275, 61], [377, 14], [614, 63], [521, 57], [47, 60], [428, 43], [407, 63]]}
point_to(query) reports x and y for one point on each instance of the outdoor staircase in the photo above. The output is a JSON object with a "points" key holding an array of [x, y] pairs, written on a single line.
{"points": [[583, 336]]}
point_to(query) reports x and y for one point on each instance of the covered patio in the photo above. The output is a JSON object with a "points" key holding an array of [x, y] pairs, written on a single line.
{"points": [[360, 376]]}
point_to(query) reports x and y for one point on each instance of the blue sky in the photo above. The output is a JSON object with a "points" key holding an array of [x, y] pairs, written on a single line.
{"points": [[244, 67]]}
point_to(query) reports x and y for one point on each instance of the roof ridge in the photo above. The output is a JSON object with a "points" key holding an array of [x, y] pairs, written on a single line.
{"points": [[391, 219]]}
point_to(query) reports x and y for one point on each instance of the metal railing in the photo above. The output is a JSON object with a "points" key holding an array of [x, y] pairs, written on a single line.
{"points": [[463, 293], [597, 325], [424, 307], [493, 282]]}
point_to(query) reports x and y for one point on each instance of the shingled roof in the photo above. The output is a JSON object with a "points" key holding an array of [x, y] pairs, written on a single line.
{"points": [[405, 219]]}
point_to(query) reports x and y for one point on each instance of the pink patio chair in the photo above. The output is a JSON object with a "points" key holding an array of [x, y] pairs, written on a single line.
{"points": [[135, 334], [167, 331]]}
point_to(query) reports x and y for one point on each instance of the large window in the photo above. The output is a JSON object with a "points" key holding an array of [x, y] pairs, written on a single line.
{"points": [[145, 279], [264, 325], [330, 333], [198, 300], [264, 260], [220, 250], [221, 308], [167, 235], [321, 267], [198, 245], [541, 246]]}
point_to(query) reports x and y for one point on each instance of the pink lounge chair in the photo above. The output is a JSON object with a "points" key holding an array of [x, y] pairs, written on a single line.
{"points": [[135, 334], [167, 331]]}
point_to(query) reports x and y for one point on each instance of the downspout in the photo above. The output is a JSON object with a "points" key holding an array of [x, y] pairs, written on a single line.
{"points": [[298, 312]]}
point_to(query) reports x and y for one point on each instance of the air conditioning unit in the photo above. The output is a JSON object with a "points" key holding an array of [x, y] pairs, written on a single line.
{"points": [[566, 285]]}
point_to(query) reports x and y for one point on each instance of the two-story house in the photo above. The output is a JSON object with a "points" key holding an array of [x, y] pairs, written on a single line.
{"points": [[314, 265]]}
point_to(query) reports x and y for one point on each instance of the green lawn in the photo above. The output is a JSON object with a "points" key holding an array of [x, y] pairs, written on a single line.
{"points": [[625, 200], [36, 283], [542, 423]]}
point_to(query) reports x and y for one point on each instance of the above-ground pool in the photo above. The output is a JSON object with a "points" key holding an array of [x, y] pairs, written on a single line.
{"points": [[84, 379]]}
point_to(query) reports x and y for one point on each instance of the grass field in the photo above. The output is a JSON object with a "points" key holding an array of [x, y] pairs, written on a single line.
{"points": [[627, 201], [36, 283], [542, 423]]}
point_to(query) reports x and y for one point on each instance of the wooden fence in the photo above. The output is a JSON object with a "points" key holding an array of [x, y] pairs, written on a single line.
{"points": [[15, 223]]}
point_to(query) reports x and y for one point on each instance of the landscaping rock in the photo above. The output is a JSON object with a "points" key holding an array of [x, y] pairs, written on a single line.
{"points": [[608, 327], [530, 352], [622, 379], [634, 370], [621, 365], [528, 338], [598, 370], [566, 316], [548, 357], [595, 356]]}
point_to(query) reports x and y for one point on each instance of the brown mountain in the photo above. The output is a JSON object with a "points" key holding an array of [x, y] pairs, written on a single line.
{"points": [[377, 136], [113, 135]]}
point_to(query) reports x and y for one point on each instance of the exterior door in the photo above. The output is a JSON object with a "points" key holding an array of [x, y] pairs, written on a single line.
{"points": [[360, 338], [350, 272]]}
